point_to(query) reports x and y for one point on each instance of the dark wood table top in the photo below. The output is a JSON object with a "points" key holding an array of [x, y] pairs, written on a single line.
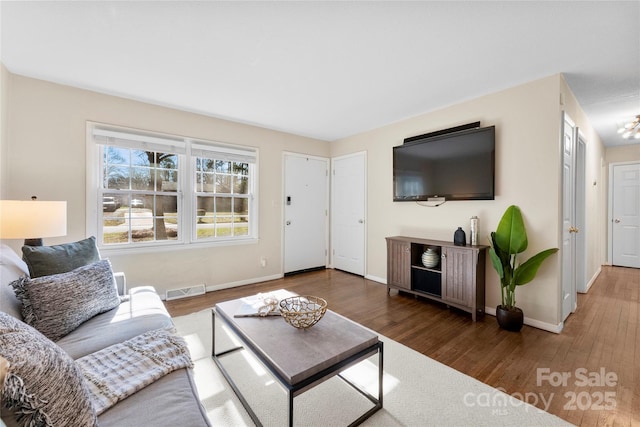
{"points": [[298, 354]]}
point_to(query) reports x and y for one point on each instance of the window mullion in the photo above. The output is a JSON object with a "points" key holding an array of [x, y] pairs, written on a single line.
{"points": [[143, 182]]}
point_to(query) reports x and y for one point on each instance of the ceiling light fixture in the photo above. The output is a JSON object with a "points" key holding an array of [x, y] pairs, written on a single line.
{"points": [[631, 129]]}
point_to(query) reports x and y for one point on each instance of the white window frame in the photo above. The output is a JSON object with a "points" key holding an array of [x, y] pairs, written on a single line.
{"points": [[187, 149]]}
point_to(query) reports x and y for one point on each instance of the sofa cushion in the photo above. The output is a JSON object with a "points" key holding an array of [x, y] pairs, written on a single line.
{"points": [[120, 370], [57, 304], [48, 260], [11, 268], [170, 401], [142, 312], [43, 384]]}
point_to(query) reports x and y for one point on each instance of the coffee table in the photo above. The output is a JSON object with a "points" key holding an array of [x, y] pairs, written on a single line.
{"points": [[299, 359]]}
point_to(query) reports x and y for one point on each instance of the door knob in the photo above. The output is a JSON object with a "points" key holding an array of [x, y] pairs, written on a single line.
{"points": [[573, 229], [288, 223], [617, 221], [361, 221]]}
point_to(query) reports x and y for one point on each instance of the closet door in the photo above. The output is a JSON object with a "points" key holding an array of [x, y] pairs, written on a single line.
{"points": [[348, 212], [625, 215], [569, 229]]}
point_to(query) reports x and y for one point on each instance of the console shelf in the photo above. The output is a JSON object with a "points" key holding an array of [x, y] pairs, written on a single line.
{"points": [[457, 280]]}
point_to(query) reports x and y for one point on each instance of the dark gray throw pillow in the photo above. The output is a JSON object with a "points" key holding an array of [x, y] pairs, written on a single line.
{"points": [[57, 304], [44, 386], [47, 260]]}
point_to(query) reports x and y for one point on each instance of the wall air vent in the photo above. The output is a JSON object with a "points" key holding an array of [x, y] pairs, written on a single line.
{"points": [[189, 291]]}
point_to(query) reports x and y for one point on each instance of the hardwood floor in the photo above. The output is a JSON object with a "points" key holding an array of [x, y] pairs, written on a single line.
{"points": [[598, 352]]}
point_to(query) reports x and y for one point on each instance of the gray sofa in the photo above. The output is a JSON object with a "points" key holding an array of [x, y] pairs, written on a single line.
{"points": [[171, 400]]}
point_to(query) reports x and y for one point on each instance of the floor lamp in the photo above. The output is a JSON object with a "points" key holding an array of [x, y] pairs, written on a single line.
{"points": [[32, 220]]}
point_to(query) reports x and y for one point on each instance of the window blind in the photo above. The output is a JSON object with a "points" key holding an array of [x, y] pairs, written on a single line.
{"points": [[177, 145], [224, 152], [138, 141]]}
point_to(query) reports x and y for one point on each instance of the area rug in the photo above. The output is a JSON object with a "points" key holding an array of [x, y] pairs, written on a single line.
{"points": [[418, 391]]}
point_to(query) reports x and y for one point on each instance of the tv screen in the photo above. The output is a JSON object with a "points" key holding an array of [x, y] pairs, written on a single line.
{"points": [[454, 166]]}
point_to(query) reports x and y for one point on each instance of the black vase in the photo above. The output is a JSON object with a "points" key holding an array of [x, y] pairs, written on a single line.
{"points": [[510, 319], [460, 237]]}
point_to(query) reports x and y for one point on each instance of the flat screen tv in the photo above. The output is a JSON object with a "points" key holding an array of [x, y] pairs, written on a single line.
{"points": [[454, 166]]}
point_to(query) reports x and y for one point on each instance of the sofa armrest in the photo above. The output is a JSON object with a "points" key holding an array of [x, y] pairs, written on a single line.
{"points": [[121, 283]]}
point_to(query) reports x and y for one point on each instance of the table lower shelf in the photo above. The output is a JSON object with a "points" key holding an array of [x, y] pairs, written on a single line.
{"points": [[294, 390]]}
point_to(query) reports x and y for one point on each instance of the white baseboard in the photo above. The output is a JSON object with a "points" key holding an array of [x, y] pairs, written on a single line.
{"points": [[210, 288], [488, 310], [556, 329], [593, 279], [251, 281], [376, 279], [492, 311]]}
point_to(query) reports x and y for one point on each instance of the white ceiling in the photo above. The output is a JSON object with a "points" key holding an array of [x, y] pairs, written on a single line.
{"points": [[330, 69]]}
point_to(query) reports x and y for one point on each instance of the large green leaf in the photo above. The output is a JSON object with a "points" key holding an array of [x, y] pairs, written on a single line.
{"points": [[497, 263], [528, 270], [502, 255], [511, 235]]}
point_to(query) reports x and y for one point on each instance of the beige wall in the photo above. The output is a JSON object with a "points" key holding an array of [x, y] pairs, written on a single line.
{"points": [[527, 120], [4, 146], [624, 153], [595, 182], [47, 138], [46, 145]]}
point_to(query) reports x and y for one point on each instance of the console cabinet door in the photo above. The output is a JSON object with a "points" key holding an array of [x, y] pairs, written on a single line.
{"points": [[458, 275], [399, 263]]}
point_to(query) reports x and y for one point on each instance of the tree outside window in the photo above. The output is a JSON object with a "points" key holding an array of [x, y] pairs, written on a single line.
{"points": [[145, 186], [147, 182]]}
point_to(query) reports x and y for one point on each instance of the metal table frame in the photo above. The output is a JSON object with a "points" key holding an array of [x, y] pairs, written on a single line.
{"points": [[294, 390]]}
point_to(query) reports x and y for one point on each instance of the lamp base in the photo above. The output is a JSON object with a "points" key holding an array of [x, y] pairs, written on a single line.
{"points": [[33, 242]]}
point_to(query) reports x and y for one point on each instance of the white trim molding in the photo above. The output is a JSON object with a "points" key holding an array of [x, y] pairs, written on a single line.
{"points": [[593, 279]]}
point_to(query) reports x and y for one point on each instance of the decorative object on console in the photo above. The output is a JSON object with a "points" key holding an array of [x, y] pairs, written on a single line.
{"points": [[510, 239], [303, 311], [474, 230], [460, 237], [430, 258]]}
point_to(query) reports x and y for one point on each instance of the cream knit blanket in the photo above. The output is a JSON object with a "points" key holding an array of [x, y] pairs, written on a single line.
{"points": [[116, 372]]}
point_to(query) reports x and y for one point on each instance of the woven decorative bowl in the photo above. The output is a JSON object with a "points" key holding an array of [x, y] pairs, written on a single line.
{"points": [[303, 311]]}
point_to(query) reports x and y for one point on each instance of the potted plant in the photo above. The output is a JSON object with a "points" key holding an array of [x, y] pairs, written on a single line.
{"points": [[509, 240]]}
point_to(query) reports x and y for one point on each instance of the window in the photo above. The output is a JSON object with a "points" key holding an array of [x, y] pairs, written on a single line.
{"points": [[223, 182], [159, 190]]}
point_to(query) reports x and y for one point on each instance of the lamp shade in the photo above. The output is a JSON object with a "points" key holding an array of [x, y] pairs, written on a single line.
{"points": [[30, 219]]}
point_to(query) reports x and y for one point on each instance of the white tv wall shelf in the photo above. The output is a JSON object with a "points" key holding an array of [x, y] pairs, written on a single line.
{"points": [[457, 280]]}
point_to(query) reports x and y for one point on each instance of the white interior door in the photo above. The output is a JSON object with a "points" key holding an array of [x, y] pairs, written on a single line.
{"points": [[569, 293], [306, 209], [625, 215], [348, 209], [580, 217]]}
